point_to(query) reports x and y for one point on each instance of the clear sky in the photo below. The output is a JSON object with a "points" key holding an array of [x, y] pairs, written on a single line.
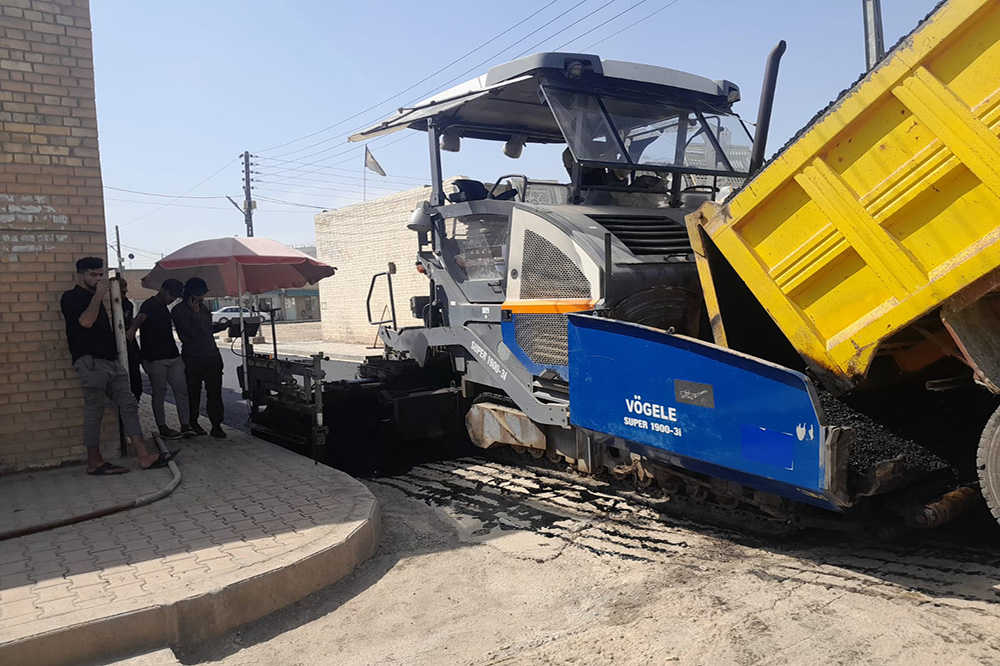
{"points": [[184, 87]]}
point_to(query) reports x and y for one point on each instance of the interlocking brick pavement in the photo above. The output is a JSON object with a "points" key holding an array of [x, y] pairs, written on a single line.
{"points": [[246, 510], [46, 496]]}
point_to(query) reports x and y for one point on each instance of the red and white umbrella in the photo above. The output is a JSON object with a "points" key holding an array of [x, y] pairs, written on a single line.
{"points": [[239, 265]]}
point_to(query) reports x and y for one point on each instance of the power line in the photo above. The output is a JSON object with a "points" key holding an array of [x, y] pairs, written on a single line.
{"points": [[501, 52], [519, 22], [155, 203], [291, 203], [391, 175], [152, 194], [390, 190], [597, 27], [149, 253], [632, 25], [460, 76], [178, 205], [358, 147], [350, 174], [329, 181], [332, 178], [312, 194], [491, 58], [155, 210], [582, 18], [343, 152], [320, 167]]}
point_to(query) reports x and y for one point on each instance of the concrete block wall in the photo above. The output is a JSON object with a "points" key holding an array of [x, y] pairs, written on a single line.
{"points": [[51, 213], [361, 240]]}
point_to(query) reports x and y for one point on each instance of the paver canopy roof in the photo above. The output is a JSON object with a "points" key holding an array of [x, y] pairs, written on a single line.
{"points": [[507, 100]]}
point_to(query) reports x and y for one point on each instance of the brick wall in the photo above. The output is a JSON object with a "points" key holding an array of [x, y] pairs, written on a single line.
{"points": [[51, 213], [360, 241], [136, 292]]}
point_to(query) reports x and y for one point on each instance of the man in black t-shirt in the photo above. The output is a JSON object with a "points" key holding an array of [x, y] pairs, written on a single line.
{"points": [[160, 357], [134, 362], [202, 360], [92, 344]]}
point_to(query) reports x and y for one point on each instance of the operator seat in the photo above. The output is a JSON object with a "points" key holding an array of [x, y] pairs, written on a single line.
{"points": [[468, 190]]}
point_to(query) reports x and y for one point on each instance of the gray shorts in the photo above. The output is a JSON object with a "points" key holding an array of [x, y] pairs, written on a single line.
{"points": [[101, 379]]}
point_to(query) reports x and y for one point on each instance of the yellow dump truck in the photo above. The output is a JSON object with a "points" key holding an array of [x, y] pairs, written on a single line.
{"points": [[872, 239]]}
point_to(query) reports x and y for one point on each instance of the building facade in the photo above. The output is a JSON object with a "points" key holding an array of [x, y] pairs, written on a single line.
{"points": [[51, 214], [361, 240]]}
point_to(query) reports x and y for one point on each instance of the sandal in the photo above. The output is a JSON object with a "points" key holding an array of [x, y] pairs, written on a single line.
{"points": [[108, 469], [161, 461]]}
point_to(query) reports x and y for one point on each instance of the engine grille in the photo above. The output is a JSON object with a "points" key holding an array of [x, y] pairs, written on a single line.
{"points": [[548, 273], [647, 234], [542, 337]]}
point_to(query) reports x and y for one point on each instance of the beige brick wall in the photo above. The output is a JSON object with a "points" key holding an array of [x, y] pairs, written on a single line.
{"points": [[360, 241], [51, 213]]}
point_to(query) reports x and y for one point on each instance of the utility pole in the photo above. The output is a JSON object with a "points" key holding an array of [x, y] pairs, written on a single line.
{"points": [[248, 203], [248, 200], [874, 43], [118, 249]]}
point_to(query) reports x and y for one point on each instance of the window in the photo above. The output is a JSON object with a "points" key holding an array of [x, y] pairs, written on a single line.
{"points": [[585, 127], [597, 129], [478, 245]]}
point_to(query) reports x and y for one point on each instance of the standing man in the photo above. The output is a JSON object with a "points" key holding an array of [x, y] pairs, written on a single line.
{"points": [[92, 345], [128, 314], [202, 360], [160, 358]]}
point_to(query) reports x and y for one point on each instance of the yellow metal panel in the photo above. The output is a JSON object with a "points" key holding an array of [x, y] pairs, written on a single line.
{"points": [[892, 265], [954, 123], [708, 287], [884, 208]]}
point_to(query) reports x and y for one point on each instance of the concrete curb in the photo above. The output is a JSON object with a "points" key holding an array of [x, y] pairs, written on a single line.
{"points": [[195, 619]]}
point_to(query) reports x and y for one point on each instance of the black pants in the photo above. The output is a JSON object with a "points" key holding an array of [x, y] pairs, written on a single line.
{"points": [[207, 369], [134, 378]]}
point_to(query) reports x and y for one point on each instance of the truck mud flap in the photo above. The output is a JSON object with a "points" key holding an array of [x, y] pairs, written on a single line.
{"points": [[706, 408]]}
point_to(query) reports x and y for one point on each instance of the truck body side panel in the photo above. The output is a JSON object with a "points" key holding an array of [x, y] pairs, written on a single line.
{"points": [[882, 209]]}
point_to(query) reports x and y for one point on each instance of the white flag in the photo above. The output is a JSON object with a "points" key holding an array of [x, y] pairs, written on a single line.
{"points": [[372, 163]]}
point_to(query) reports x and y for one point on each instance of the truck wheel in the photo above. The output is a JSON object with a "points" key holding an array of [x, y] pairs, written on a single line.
{"points": [[988, 464]]}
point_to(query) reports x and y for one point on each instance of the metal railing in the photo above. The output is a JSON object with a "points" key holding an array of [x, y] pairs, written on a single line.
{"points": [[392, 302]]}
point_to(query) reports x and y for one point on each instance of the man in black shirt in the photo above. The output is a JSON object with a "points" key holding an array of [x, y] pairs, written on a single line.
{"points": [[134, 360], [92, 345], [202, 360], [161, 359]]}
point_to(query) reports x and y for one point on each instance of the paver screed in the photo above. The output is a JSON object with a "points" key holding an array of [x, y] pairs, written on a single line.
{"points": [[251, 528]]}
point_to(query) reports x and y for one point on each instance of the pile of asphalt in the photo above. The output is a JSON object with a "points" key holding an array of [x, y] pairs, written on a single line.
{"points": [[876, 443]]}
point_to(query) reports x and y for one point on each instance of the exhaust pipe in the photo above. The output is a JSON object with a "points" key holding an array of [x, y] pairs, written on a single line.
{"points": [[764, 111]]}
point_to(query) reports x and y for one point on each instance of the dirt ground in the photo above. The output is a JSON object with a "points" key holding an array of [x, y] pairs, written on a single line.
{"points": [[487, 563]]}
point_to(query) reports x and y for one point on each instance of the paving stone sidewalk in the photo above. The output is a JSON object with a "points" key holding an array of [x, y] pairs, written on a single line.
{"points": [[251, 528], [47, 496]]}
